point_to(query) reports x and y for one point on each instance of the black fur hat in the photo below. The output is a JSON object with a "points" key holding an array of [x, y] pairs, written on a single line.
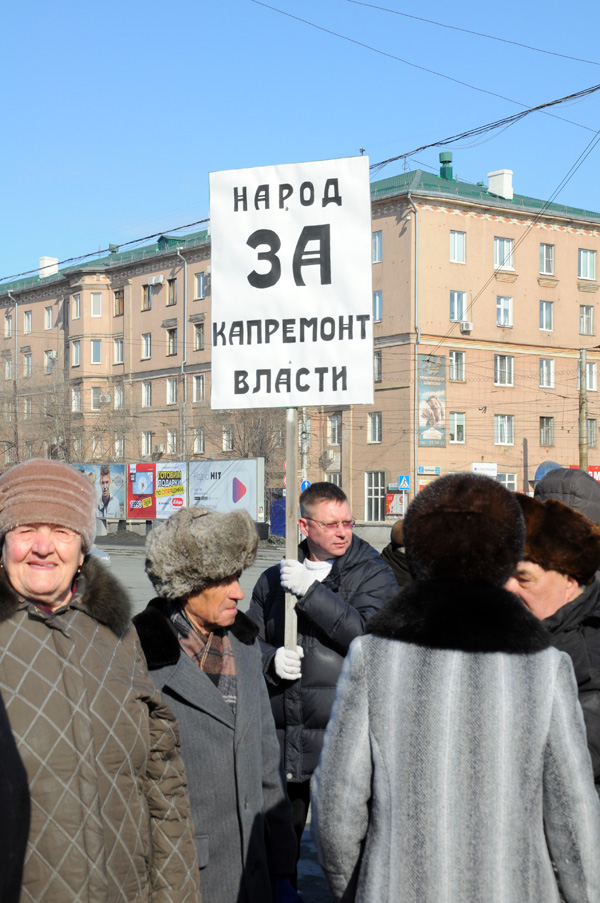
{"points": [[464, 527]]}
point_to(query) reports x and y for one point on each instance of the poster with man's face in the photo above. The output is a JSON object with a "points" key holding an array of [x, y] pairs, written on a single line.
{"points": [[109, 482]]}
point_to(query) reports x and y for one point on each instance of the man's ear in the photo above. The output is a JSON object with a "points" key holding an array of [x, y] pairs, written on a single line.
{"points": [[303, 526], [573, 588]]}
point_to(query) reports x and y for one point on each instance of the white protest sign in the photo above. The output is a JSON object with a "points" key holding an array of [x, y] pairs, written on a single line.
{"points": [[291, 285]]}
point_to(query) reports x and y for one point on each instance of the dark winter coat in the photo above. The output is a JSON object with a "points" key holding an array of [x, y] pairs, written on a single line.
{"points": [[330, 615], [110, 811], [575, 629], [15, 810], [241, 813], [572, 487], [394, 555], [455, 765]]}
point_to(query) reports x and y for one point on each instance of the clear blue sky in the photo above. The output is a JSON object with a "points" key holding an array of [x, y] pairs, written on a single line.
{"points": [[115, 114]]}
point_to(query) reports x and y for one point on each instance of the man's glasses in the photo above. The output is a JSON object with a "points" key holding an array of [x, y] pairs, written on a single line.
{"points": [[329, 528]]}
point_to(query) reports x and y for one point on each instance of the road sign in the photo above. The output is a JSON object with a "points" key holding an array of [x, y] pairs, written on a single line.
{"points": [[304, 485], [404, 482]]}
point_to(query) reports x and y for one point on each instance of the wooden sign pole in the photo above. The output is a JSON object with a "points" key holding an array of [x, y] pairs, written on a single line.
{"points": [[291, 520]]}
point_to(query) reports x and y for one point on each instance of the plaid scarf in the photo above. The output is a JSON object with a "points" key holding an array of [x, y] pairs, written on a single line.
{"points": [[213, 653]]}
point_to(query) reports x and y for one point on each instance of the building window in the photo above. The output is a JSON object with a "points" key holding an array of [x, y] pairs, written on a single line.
{"points": [[591, 377], [228, 438], [546, 373], [375, 427], [96, 351], [48, 318], [503, 370], [334, 429], [96, 304], [118, 398], [8, 368], [77, 448], [146, 443], [119, 447], [547, 315], [26, 322], [375, 495], [586, 319], [172, 340], [198, 336], [49, 361], [96, 398], [146, 345], [27, 364], [119, 302], [547, 259], [335, 478], [503, 253], [171, 390], [8, 326], [147, 394], [508, 480], [456, 370], [75, 307], [118, 351], [376, 247], [172, 295], [546, 431], [458, 247], [171, 442], [586, 264], [76, 399], [146, 297], [75, 353], [198, 441], [504, 429], [200, 286], [377, 366], [198, 387], [458, 306], [377, 306], [457, 426], [592, 433], [97, 450], [27, 408], [504, 311]]}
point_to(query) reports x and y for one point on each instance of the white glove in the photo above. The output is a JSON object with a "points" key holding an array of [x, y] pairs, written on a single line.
{"points": [[295, 577], [287, 663]]}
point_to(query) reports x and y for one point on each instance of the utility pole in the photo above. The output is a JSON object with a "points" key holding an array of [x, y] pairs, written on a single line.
{"points": [[583, 440]]}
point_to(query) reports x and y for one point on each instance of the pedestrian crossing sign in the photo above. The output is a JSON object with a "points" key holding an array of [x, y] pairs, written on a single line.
{"points": [[404, 482]]}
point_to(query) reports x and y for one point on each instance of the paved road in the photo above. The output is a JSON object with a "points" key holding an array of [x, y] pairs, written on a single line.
{"points": [[127, 564]]}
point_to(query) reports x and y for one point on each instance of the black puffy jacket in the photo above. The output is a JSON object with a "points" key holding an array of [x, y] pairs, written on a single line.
{"points": [[330, 615]]}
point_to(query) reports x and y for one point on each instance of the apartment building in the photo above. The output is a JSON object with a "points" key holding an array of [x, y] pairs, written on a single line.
{"points": [[483, 301]]}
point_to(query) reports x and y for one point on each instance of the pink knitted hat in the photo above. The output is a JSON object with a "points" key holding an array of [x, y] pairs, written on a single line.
{"points": [[40, 491]]}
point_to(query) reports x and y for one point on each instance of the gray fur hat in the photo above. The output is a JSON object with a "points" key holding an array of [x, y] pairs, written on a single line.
{"points": [[197, 547]]}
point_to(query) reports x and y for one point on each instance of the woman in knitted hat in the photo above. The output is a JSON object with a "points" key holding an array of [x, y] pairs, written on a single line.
{"points": [[109, 808], [455, 764], [203, 654]]}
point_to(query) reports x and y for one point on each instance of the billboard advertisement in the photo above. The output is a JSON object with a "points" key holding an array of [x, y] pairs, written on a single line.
{"points": [[228, 485], [109, 483], [170, 488], [432, 400], [141, 481]]}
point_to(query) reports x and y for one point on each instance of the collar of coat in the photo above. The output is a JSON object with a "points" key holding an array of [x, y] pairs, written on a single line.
{"points": [[471, 617], [584, 609], [357, 552], [159, 639], [98, 593]]}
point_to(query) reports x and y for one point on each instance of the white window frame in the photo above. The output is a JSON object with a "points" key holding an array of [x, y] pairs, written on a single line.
{"points": [[27, 364], [458, 306], [48, 318], [171, 390], [592, 432], [546, 431], [146, 297], [171, 341], [146, 393], [198, 387], [172, 295], [118, 350], [504, 311], [508, 480], [27, 320], [97, 446], [198, 336], [172, 441], [586, 264], [377, 247], [456, 366], [546, 259], [375, 428], [457, 427], [119, 447], [377, 366], [375, 496], [228, 438], [118, 302], [146, 443], [95, 351], [334, 429], [8, 326], [377, 306], [458, 246], [199, 286], [504, 253], [48, 361], [96, 304], [8, 368], [76, 307], [591, 376], [198, 441], [504, 429], [547, 316], [96, 398], [27, 408], [546, 373], [118, 397], [76, 399], [586, 319], [146, 346], [76, 353], [504, 370]]}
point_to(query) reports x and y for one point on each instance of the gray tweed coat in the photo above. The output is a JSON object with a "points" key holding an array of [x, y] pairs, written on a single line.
{"points": [[455, 766]]}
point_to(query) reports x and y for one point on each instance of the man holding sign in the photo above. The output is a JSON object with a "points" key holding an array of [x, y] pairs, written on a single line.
{"points": [[339, 582]]}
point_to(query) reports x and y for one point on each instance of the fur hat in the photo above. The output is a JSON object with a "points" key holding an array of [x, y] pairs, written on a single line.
{"points": [[560, 539], [464, 527], [197, 547], [41, 491]]}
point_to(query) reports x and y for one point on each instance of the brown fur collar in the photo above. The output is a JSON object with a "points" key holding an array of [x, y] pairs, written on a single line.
{"points": [[102, 597], [472, 617]]}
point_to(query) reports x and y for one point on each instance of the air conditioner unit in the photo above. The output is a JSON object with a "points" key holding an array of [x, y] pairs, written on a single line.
{"points": [[326, 458], [156, 280], [159, 449], [466, 326], [104, 399]]}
